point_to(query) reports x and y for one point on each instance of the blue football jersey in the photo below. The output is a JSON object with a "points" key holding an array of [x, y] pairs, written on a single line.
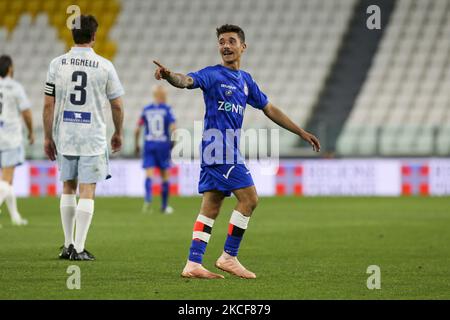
{"points": [[226, 94], [156, 119]]}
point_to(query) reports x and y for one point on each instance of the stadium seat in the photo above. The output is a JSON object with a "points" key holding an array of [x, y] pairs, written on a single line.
{"points": [[40, 27], [404, 95], [164, 37], [305, 38]]}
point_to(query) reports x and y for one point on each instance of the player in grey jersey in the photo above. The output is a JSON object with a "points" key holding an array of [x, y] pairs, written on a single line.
{"points": [[79, 84], [14, 106]]}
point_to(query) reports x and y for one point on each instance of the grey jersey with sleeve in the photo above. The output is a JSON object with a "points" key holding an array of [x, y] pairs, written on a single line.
{"points": [[13, 101], [82, 82]]}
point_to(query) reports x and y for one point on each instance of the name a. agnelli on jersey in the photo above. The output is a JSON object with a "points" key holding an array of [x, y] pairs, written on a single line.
{"points": [[80, 62]]}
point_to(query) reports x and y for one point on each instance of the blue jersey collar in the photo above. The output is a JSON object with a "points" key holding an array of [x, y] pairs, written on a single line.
{"points": [[229, 69]]}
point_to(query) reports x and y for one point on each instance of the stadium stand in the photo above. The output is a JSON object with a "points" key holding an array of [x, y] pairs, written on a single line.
{"points": [[294, 48], [347, 75], [292, 72], [34, 32], [403, 107]]}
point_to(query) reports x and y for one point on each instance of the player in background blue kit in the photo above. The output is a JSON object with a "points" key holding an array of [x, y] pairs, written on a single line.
{"points": [[159, 123], [227, 90]]}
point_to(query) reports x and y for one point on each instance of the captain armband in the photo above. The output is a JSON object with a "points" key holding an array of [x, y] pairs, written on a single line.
{"points": [[49, 89]]}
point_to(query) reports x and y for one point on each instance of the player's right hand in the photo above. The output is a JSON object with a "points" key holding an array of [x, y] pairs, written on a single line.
{"points": [[161, 72], [50, 149], [31, 138], [116, 142], [311, 139]]}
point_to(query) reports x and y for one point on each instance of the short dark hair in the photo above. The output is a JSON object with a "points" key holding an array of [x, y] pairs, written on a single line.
{"points": [[231, 28], [87, 30], [5, 63]]}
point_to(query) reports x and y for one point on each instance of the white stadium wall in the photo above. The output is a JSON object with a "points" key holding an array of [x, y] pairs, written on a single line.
{"points": [[349, 177]]}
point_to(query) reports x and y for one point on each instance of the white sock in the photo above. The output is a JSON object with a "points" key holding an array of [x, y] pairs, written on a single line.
{"points": [[67, 206], [11, 203], [4, 190], [83, 218]]}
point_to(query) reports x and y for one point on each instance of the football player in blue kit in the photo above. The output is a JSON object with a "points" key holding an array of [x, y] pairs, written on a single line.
{"points": [[227, 90], [159, 123]]}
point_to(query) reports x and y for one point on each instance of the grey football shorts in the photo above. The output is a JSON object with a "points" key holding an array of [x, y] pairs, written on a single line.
{"points": [[12, 157], [85, 169]]}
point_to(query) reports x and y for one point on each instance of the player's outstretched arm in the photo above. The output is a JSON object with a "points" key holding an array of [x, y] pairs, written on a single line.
{"points": [[49, 144], [178, 80], [28, 119], [277, 116], [117, 116]]}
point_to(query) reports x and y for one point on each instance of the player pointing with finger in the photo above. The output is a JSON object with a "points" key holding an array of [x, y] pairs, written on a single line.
{"points": [[227, 90]]}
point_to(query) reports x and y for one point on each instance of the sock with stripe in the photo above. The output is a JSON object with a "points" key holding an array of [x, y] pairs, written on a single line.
{"points": [[164, 194], [148, 190], [200, 238], [238, 225]]}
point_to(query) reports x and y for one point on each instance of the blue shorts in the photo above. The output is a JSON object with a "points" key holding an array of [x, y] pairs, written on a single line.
{"points": [[12, 157], [84, 169], [224, 178], [159, 158]]}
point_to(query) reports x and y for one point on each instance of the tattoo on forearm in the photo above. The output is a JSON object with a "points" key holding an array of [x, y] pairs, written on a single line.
{"points": [[180, 80]]}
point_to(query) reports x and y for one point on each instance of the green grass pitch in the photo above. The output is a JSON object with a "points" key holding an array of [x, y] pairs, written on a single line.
{"points": [[300, 248]]}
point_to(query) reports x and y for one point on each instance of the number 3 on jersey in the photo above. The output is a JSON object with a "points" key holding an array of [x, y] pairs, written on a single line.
{"points": [[79, 97]]}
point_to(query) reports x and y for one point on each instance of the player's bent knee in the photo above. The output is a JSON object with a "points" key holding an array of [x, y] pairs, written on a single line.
{"points": [[70, 187], [253, 202], [149, 172], [8, 175], [210, 211], [87, 191], [249, 204]]}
